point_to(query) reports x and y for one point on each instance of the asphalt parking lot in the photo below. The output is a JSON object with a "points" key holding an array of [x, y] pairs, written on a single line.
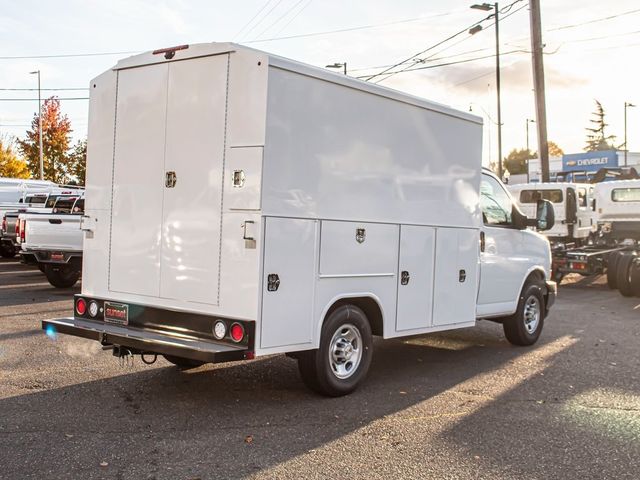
{"points": [[463, 404]]}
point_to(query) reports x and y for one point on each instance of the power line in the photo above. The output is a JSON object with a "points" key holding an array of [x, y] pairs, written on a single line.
{"points": [[390, 73], [353, 29], [263, 18], [274, 23], [596, 20], [66, 55], [294, 17], [252, 18]]}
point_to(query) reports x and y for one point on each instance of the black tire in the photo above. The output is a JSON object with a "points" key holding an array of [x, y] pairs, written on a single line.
{"points": [[183, 363], [7, 251], [612, 270], [334, 378], [518, 327], [635, 278], [623, 274], [61, 276]]}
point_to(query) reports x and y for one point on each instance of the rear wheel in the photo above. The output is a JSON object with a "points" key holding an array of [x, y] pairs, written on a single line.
{"points": [[623, 274], [344, 356], [61, 276], [7, 251], [524, 326], [612, 270], [183, 363]]}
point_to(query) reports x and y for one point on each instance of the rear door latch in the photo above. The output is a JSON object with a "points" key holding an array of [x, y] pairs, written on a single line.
{"points": [[273, 282], [170, 179]]}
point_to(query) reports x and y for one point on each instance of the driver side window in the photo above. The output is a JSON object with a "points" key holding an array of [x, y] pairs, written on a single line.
{"points": [[495, 202]]}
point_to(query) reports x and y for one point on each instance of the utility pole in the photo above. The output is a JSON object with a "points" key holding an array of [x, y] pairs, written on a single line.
{"points": [[39, 126], [626, 148], [538, 82]]}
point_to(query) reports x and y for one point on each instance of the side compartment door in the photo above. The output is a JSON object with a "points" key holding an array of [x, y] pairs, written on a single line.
{"points": [[456, 276], [289, 276], [415, 277]]}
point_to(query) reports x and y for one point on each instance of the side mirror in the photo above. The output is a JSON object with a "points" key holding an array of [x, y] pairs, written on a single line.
{"points": [[545, 215]]}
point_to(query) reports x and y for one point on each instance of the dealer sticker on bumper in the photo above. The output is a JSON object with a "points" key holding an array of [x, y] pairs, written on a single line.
{"points": [[117, 313]]}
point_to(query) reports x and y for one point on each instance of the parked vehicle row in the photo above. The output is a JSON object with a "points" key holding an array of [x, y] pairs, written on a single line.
{"points": [[43, 227], [611, 245]]}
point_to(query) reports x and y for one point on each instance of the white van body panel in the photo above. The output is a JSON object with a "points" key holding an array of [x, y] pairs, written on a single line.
{"points": [[334, 185], [618, 201]]}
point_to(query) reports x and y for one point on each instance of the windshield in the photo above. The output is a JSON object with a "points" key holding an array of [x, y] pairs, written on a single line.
{"points": [[532, 196]]}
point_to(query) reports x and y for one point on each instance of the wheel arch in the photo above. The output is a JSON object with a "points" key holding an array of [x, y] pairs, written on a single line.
{"points": [[369, 303]]}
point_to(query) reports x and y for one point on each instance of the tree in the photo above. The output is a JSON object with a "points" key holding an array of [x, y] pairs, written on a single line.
{"points": [[597, 139], [56, 138], [516, 161], [10, 165], [78, 162], [554, 149]]}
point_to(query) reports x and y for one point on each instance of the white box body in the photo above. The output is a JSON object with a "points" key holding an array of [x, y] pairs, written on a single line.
{"points": [[334, 185]]}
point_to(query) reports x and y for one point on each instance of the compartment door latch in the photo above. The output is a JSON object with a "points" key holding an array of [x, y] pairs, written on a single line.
{"points": [[273, 282], [404, 278], [170, 179]]}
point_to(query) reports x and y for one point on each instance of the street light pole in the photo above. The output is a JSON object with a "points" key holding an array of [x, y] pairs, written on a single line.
{"points": [[529, 120], [626, 148], [342, 65], [487, 7], [40, 126]]}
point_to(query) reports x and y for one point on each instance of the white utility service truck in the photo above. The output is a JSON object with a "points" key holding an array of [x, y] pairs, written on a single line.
{"points": [[573, 204], [240, 204]]}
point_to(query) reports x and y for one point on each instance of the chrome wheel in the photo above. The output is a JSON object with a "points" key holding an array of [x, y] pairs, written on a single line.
{"points": [[531, 314], [345, 351]]}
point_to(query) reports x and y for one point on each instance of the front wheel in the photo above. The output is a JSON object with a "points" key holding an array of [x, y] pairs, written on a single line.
{"points": [[524, 327], [61, 276], [344, 356]]}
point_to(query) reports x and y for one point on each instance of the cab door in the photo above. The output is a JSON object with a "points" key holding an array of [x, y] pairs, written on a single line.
{"points": [[503, 264], [571, 211]]}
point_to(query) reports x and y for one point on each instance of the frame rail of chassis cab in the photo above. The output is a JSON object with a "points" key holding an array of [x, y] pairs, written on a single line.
{"points": [[586, 260], [155, 331]]}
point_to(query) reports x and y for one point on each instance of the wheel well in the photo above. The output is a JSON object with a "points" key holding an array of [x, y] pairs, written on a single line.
{"points": [[535, 275], [370, 308]]}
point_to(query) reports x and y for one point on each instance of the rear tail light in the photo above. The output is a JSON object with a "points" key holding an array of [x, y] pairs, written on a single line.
{"points": [[93, 309], [236, 332], [81, 306], [4, 223], [219, 329], [21, 230]]}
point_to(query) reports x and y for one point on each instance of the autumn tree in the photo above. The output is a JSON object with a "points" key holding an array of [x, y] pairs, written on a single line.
{"points": [[554, 149], [78, 162], [10, 165], [597, 139], [516, 161], [56, 138]]}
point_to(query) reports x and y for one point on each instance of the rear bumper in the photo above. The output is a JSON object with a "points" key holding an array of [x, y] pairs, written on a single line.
{"points": [[552, 293], [146, 341], [50, 256]]}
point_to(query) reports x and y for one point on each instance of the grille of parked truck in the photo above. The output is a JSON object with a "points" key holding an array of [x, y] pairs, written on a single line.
{"points": [[241, 204]]}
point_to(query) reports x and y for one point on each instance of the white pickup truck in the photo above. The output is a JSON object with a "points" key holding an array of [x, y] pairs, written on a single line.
{"points": [[54, 241], [241, 204]]}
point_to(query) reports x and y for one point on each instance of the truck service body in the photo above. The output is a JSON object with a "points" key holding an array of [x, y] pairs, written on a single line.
{"points": [[240, 204]]}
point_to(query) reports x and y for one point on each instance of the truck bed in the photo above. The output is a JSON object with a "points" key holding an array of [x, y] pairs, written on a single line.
{"points": [[59, 232]]}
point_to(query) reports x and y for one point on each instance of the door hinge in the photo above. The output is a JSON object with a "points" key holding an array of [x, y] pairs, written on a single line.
{"points": [[404, 277], [170, 179]]}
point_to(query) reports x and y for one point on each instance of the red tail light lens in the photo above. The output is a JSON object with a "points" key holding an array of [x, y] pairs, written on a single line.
{"points": [[237, 332], [23, 230], [81, 306]]}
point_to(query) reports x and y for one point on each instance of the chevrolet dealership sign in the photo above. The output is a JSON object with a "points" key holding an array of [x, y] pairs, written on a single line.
{"points": [[590, 161]]}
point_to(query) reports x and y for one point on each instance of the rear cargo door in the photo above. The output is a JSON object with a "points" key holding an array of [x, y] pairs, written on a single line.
{"points": [[136, 221], [169, 152], [194, 154]]}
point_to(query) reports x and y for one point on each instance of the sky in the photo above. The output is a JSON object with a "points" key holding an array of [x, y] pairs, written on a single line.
{"points": [[591, 52]]}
